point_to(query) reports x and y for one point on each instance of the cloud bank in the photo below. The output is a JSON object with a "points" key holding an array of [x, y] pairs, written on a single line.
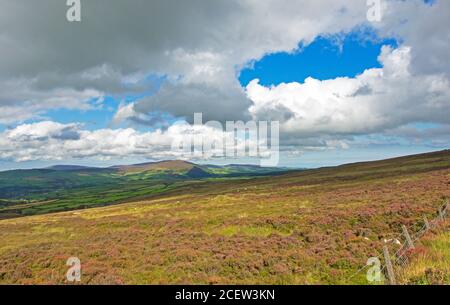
{"points": [[199, 47], [374, 101]]}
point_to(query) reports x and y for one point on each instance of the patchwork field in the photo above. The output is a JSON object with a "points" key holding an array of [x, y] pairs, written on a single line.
{"points": [[65, 188], [310, 227]]}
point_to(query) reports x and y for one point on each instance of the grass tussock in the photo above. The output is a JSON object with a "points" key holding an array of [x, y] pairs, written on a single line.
{"points": [[314, 227], [430, 261]]}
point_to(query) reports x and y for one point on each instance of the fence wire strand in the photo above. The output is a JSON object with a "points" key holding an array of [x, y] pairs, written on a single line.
{"points": [[399, 257]]}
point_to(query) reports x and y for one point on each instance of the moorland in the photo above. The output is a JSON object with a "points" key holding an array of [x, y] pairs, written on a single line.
{"points": [[302, 227]]}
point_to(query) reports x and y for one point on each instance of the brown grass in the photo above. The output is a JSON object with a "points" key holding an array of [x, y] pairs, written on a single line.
{"points": [[304, 228]]}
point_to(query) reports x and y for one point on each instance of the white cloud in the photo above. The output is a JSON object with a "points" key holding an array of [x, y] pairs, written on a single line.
{"points": [[376, 100], [49, 140], [124, 112], [20, 99], [43, 131], [423, 27], [52, 141], [42, 141], [200, 46]]}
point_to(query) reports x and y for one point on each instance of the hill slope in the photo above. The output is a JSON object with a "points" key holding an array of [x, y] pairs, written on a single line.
{"points": [[68, 187], [163, 165], [317, 226]]}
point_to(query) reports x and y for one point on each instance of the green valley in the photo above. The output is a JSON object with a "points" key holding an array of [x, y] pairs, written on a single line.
{"points": [[63, 188], [303, 227]]}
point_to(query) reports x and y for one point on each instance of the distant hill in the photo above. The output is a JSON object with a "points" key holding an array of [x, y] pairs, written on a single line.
{"points": [[66, 187], [162, 165], [198, 172], [311, 227], [68, 167]]}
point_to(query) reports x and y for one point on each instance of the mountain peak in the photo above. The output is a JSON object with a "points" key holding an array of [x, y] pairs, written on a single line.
{"points": [[68, 167], [178, 165]]}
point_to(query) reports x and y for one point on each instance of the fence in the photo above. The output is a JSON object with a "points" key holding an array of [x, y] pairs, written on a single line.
{"points": [[399, 257]]}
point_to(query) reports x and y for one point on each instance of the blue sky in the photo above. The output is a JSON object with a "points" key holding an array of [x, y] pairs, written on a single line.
{"points": [[353, 93], [325, 58]]}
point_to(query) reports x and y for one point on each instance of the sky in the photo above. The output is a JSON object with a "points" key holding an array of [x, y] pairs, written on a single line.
{"points": [[123, 84]]}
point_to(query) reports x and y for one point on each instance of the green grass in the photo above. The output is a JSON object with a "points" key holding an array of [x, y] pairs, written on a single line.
{"points": [[430, 261], [312, 227], [41, 191]]}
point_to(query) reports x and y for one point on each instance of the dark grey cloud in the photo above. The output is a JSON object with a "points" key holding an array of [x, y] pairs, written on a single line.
{"points": [[424, 27], [202, 42], [216, 103], [436, 135], [199, 46]]}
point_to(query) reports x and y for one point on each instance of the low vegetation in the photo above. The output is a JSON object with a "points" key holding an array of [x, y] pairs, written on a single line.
{"points": [[430, 261], [65, 188], [310, 227]]}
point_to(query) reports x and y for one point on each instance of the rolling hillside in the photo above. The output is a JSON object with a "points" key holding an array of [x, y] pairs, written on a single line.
{"points": [[310, 227], [68, 187]]}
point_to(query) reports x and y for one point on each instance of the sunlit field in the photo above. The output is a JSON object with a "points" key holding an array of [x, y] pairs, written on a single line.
{"points": [[306, 227]]}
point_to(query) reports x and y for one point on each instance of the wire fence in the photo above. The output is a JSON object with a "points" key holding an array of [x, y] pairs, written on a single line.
{"points": [[401, 244]]}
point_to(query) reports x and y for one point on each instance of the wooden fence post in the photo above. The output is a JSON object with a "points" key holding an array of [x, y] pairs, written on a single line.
{"points": [[408, 237], [427, 224], [441, 215], [390, 269]]}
